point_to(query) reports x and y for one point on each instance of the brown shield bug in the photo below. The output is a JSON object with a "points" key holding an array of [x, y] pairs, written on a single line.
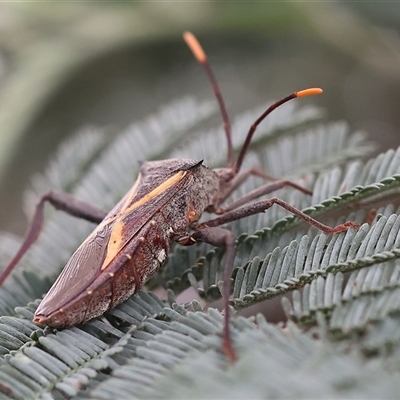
{"points": [[132, 241]]}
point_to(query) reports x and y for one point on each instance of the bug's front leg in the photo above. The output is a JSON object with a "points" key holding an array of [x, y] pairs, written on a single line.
{"points": [[60, 201], [219, 237], [254, 194], [261, 191]]}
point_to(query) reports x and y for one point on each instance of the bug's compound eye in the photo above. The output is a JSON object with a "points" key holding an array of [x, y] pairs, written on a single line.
{"points": [[192, 215]]}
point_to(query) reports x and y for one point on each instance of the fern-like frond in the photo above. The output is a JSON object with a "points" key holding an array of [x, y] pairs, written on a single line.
{"points": [[369, 295], [173, 345], [142, 348], [46, 362], [280, 259], [149, 360], [183, 360], [261, 240]]}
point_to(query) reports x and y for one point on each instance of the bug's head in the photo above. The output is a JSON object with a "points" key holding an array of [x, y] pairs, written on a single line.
{"points": [[233, 166]]}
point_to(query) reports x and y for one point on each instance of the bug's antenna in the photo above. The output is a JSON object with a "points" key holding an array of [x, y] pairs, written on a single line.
{"points": [[201, 57], [301, 93]]}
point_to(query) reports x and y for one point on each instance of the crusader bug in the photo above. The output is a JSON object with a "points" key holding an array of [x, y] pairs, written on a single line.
{"points": [[132, 241]]}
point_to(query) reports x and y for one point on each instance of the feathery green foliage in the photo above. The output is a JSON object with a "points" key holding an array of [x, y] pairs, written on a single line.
{"points": [[344, 300]]}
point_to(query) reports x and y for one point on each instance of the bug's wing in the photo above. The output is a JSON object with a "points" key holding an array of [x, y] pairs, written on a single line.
{"points": [[82, 268], [122, 225]]}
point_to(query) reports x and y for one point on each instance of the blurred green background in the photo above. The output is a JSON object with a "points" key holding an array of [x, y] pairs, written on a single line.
{"points": [[67, 65]]}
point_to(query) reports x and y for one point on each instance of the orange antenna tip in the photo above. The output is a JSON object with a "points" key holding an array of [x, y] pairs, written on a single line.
{"points": [[195, 46], [309, 92]]}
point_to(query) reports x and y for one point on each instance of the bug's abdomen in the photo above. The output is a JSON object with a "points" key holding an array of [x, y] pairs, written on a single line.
{"points": [[129, 270]]}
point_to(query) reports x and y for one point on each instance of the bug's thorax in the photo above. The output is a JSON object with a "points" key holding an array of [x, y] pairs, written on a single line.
{"points": [[199, 188]]}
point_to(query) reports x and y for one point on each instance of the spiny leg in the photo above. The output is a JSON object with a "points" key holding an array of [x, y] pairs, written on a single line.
{"points": [[61, 201]]}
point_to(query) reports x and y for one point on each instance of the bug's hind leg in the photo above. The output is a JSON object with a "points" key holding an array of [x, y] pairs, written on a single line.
{"points": [[262, 206], [61, 201]]}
